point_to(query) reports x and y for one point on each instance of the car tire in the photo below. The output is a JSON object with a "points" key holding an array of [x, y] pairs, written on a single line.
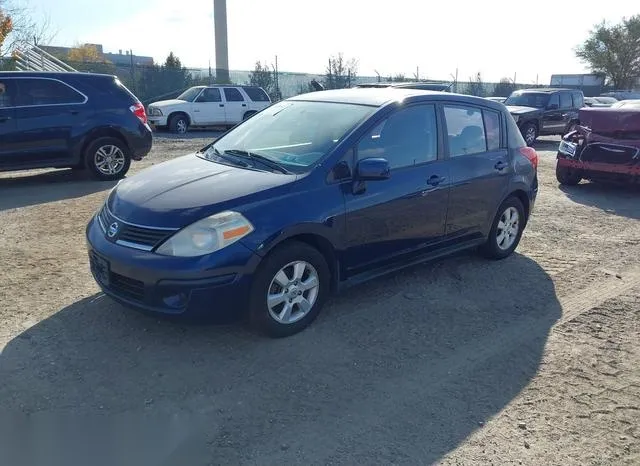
{"points": [[248, 115], [283, 299], [107, 159], [510, 221], [567, 176], [529, 133], [179, 124]]}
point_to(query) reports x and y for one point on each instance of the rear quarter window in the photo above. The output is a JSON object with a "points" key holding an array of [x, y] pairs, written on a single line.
{"points": [[256, 94]]}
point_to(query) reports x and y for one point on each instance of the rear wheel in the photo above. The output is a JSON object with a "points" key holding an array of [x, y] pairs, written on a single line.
{"points": [[568, 176], [530, 133], [289, 290], [506, 230], [179, 123], [107, 159]]}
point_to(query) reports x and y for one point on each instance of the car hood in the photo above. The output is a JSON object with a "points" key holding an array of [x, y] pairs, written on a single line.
{"points": [[167, 103], [518, 110], [179, 192]]}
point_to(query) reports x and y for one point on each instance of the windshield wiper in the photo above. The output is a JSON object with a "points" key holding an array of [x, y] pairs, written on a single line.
{"points": [[260, 158]]}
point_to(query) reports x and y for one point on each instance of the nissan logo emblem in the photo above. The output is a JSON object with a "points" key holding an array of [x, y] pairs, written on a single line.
{"points": [[113, 229]]}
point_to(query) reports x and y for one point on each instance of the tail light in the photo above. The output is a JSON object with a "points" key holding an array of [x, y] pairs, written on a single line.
{"points": [[531, 154], [139, 111]]}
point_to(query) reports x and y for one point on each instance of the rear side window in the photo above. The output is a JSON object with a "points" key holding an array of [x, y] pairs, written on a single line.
{"points": [[565, 100], [492, 129], [232, 94], [256, 94], [7, 93], [578, 99], [465, 128], [35, 92], [408, 137], [514, 136]]}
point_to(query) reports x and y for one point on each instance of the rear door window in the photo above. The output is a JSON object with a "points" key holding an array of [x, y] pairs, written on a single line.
{"points": [[256, 94], [232, 94], [565, 100], [578, 99], [554, 101], [465, 130], [37, 92]]}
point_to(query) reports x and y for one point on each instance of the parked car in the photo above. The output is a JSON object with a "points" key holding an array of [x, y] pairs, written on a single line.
{"points": [[545, 111], [622, 95], [604, 147], [599, 101], [77, 120], [497, 99], [208, 106], [630, 103], [425, 86], [317, 192]]}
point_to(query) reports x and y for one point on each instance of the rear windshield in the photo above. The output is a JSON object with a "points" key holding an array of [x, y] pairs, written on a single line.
{"points": [[122, 88], [256, 94], [528, 99]]}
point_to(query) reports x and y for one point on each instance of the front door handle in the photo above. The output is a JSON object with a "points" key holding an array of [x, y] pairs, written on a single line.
{"points": [[435, 180], [244, 105], [500, 165], [221, 105]]}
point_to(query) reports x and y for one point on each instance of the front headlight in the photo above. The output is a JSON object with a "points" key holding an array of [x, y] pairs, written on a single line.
{"points": [[207, 235], [153, 111]]}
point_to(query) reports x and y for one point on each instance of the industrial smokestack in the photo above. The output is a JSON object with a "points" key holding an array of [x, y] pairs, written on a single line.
{"points": [[222, 47]]}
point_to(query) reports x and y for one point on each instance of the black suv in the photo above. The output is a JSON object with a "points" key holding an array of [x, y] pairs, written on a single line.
{"points": [[77, 120], [544, 111]]}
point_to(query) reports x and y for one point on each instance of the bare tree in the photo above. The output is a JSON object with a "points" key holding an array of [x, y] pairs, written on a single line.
{"points": [[340, 73], [476, 86], [265, 77], [25, 27]]}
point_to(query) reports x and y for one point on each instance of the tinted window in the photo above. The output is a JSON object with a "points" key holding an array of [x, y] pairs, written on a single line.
{"points": [[465, 128], [7, 93], [554, 101], [528, 99], [46, 92], [578, 99], [189, 94], [232, 95], [256, 94], [408, 137], [210, 94], [492, 129], [565, 100]]}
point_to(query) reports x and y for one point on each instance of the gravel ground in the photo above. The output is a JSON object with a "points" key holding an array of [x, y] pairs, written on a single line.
{"points": [[532, 360]]}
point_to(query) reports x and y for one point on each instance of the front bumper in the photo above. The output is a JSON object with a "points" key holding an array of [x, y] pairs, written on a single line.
{"points": [[217, 285], [158, 121]]}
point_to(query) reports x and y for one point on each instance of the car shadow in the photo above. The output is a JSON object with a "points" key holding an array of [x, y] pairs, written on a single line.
{"points": [[617, 199], [48, 186], [400, 370], [548, 144]]}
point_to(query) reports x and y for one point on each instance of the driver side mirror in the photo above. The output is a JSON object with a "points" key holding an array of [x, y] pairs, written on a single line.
{"points": [[553, 107], [373, 169]]}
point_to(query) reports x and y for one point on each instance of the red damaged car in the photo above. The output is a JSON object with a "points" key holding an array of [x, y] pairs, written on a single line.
{"points": [[604, 147]]}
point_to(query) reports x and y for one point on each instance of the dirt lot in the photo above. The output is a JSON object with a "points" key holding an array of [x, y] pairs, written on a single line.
{"points": [[533, 360]]}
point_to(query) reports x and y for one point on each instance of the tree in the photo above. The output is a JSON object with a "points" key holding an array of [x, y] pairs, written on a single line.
{"points": [[86, 53], [262, 76], [476, 86], [19, 24], [6, 26], [504, 88], [340, 73], [614, 51]]}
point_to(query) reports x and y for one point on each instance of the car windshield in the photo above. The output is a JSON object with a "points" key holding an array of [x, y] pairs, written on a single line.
{"points": [[294, 134], [528, 99], [190, 94]]}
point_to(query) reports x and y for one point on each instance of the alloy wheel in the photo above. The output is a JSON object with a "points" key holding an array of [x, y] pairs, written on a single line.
{"points": [[293, 292], [109, 160], [508, 228]]}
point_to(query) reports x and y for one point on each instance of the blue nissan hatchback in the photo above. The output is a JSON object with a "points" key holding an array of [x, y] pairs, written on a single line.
{"points": [[314, 193]]}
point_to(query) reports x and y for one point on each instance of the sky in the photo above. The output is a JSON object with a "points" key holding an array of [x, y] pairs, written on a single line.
{"points": [[493, 37]]}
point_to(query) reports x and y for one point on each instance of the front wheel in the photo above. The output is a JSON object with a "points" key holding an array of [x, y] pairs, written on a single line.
{"points": [[567, 176], [179, 124], [530, 133], [107, 159], [289, 290], [506, 230]]}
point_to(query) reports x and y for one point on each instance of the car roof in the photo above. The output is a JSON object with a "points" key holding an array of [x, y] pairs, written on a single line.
{"points": [[378, 97], [51, 74], [545, 90]]}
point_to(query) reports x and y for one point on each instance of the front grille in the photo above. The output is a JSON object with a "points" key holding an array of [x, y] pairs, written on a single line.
{"points": [[127, 287], [133, 235]]}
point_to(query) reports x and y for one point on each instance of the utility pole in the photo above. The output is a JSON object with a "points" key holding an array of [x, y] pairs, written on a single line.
{"points": [[277, 80], [133, 75], [222, 45]]}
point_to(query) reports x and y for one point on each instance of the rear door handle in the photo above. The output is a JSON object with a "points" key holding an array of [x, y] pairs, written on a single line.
{"points": [[500, 165], [3, 119], [244, 105], [221, 105], [435, 180]]}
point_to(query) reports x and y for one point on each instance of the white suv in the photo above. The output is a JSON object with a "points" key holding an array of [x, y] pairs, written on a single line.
{"points": [[208, 106]]}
